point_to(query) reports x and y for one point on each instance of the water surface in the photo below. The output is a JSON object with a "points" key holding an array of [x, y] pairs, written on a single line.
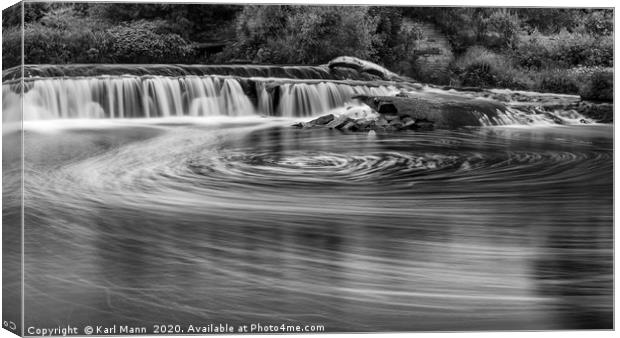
{"points": [[173, 223]]}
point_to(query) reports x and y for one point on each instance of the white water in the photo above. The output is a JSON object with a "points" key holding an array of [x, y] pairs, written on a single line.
{"points": [[131, 96], [312, 99], [160, 96]]}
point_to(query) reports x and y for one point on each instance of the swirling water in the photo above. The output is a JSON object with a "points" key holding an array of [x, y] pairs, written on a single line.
{"points": [[150, 222]]}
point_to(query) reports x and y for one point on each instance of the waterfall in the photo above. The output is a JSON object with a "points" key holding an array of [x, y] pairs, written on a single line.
{"points": [[129, 96], [80, 92], [532, 116], [302, 99]]}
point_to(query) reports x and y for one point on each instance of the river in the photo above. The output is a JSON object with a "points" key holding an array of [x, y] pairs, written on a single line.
{"points": [[239, 220]]}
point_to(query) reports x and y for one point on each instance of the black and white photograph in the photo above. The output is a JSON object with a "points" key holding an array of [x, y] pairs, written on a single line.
{"points": [[193, 168]]}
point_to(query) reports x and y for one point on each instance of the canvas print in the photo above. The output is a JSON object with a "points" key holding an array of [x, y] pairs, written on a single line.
{"points": [[192, 168]]}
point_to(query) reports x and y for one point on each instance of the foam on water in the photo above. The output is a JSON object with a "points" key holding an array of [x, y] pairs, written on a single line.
{"points": [[161, 97]]}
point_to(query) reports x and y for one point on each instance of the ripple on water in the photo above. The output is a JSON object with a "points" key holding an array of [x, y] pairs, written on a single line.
{"points": [[498, 227], [312, 167], [259, 160]]}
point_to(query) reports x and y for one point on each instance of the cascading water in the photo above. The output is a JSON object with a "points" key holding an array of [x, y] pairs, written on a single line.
{"points": [[513, 116], [160, 96], [314, 99], [121, 91]]}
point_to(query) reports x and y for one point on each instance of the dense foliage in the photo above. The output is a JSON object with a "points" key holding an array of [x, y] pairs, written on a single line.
{"points": [[108, 33], [302, 34], [544, 49], [563, 50]]}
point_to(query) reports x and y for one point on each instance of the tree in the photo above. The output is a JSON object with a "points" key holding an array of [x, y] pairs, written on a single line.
{"points": [[302, 34]]}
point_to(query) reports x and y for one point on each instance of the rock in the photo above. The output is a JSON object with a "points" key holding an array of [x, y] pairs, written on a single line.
{"points": [[445, 111], [381, 122], [408, 121], [323, 120], [390, 117], [364, 125], [350, 125], [318, 122], [337, 122], [396, 121], [371, 125], [362, 66], [423, 125], [554, 118], [430, 109], [396, 126], [600, 112], [403, 93], [343, 122]]}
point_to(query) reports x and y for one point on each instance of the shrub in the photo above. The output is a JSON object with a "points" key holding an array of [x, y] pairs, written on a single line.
{"points": [[555, 81], [319, 33], [600, 22], [599, 85], [11, 47], [506, 25], [550, 20], [33, 11], [138, 42], [564, 50], [62, 37], [390, 36], [302, 34], [480, 67], [44, 44]]}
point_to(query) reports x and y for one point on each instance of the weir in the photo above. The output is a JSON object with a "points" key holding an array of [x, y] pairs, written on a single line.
{"points": [[152, 91], [163, 96], [322, 72], [149, 91]]}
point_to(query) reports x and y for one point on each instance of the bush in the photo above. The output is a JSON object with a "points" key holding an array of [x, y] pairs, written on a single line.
{"points": [[550, 20], [565, 50], [555, 81], [590, 83], [33, 11], [44, 44], [11, 47], [62, 36], [599, 85], [138, 42], [479, 67], [302, 34], [599, 23], [506, 25], [319, 34]]}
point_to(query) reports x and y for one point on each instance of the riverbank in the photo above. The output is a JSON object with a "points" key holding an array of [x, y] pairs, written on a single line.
{"points": [[563, 50]]}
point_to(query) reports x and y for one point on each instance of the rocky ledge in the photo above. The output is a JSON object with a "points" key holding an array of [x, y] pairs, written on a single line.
{"points": [[443, 110], [409, 112], [367, 123]]}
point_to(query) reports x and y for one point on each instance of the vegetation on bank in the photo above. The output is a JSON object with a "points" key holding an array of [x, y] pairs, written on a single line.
{"points": [[551, 50]]}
